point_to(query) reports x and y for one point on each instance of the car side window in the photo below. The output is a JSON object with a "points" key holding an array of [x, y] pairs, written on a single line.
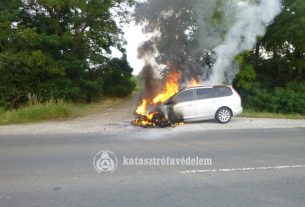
{"points": [[204, 93], [222, 91], [184, 96]]}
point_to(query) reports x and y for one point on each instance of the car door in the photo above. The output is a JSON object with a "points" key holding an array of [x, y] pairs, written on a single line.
{"points": [[205, 103], [223, 96], [185, 105]]}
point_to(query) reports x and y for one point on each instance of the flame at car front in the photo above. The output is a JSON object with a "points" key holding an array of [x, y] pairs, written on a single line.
{"points": [[146, 119], [144, 116]]}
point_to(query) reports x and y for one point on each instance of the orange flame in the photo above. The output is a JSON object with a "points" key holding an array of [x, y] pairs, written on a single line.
{"points": [[141, 110], [171, 87], [193, 82]]}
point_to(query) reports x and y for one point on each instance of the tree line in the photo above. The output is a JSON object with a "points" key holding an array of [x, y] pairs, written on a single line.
{"points": [[272, 75], [62, 50]]}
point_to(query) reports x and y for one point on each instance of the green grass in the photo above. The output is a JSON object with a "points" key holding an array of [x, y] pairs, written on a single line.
{"points": [[53, 111], [259, 114], [136, 79], [62, 110]]}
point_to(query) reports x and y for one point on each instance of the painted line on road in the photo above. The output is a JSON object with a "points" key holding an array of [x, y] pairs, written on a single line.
{"points": [[244, 169]]}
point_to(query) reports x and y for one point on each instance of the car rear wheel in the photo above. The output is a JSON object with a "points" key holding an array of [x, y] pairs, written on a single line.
{"points": [[223, 115]]}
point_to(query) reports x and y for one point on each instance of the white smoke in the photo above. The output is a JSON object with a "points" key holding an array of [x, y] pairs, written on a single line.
{"points": [[251, 20], [202, 38]]}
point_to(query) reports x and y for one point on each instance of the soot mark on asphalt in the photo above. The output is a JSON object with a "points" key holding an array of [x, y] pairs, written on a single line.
{"points": [[56, 189]]}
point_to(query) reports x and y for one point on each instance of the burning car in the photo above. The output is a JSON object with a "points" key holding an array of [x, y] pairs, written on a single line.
{"points": [[193, 103], [199, 103]]}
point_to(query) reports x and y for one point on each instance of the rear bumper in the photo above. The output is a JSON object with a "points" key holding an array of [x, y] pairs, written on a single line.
{"points": [[237, 111]]}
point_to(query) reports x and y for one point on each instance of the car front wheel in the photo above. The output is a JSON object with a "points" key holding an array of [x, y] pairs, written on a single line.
{"points": [[223, 115]]}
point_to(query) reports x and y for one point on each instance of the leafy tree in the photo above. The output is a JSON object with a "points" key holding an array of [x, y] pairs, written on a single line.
{"points": [[188, 31], [116, 78], [51, 47], [272, 76], [247, 75], [284, 46]]}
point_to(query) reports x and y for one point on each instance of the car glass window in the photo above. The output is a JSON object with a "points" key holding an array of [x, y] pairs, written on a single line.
{"points": [[184, 96], [204, 93], [222, 91]]}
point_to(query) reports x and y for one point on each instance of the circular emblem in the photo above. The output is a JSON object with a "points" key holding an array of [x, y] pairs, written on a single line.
{"points": [[105, 161]]}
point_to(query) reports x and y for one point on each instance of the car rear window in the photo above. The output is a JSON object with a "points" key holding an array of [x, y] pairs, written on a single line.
{"points": [[204, 93], [222, 91]]}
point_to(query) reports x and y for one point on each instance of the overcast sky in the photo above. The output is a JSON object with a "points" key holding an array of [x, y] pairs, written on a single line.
{"points": [[134, 37]]}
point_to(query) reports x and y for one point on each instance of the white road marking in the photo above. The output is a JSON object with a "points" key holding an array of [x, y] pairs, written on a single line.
{"points": [[244, 169]]}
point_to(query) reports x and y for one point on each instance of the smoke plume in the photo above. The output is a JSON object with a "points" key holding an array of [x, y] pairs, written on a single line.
{"points": [[201, 38], [250, 22]]}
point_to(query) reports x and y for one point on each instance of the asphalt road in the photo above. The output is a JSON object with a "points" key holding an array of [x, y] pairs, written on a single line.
{"points": [[253, 167]]}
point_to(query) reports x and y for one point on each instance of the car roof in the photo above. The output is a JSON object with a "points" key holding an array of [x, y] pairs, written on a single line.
{"points": [[205, 86], [201, 86]]}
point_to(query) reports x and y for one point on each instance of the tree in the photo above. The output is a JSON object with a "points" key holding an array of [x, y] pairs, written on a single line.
{"points": [[187, 32], [284, 46], [116, 78], [51, 47], [277, 83]]}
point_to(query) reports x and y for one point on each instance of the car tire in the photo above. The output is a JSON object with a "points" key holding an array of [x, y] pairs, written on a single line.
{"points": [[223, 115]]}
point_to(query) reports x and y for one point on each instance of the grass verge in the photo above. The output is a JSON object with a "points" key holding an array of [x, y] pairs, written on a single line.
{"points": [[53, 111], [259, 114]]}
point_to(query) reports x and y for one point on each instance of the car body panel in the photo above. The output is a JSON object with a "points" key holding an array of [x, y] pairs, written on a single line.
{"points": [[203, 106]]}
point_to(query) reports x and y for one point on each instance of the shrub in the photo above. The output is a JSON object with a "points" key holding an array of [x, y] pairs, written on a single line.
{"points": [[290, 99]]}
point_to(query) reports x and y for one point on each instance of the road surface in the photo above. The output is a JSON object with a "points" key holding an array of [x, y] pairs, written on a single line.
{"points": [[251, 167]]}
